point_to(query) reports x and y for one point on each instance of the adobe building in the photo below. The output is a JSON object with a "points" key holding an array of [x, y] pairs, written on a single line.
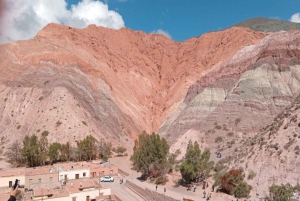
{"points": [[38, 175], [99, 170], [8, 177]]}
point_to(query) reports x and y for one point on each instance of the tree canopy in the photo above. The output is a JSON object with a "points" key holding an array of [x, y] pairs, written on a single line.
{"points": [[150, 154], [195, 163], [282, 192]]}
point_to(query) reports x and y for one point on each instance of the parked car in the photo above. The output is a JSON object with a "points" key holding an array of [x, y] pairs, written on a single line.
{"points": [[107, 178]]}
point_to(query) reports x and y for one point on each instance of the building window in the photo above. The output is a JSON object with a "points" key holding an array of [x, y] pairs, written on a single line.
{"points": [[51, 178], [30, 180], [84, 174], [40, 180], [61, 177]]}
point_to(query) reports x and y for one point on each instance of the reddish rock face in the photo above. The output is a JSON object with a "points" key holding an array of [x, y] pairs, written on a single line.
{"points": [[117, 81]]}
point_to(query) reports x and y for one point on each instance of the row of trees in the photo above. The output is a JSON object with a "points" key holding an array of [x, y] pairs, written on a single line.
{"points": [[151, 157], [35, 151]]}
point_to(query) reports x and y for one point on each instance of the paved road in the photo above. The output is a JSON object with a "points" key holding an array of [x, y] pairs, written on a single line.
{"points": [[121, 190]]}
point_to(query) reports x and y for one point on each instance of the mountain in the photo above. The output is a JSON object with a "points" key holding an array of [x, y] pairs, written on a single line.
{"points": [[268, 25], [274, 152], [110, 83], [220, 89], [242, 95]]}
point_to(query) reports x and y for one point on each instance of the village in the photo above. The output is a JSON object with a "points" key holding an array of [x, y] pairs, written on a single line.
{"points": [[81, 181]]}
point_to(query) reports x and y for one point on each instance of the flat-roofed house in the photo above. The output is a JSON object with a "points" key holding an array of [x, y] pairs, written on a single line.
{"points": [[87, 190], [99, 170], [51, 194], [38, 175], [69, 171], [8, 177]]}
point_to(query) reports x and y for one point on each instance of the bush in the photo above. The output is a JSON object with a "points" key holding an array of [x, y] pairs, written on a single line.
{"points": [[218, 127], [219, 166], [242, 190], [230, 134], [218, 139], [251, 174], [232, 182], [58, 123], [45, 133], [287, 145]]}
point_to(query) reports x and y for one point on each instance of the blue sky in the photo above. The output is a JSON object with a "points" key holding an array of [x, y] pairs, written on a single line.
{"points": [[183, 19], [178, 19]]}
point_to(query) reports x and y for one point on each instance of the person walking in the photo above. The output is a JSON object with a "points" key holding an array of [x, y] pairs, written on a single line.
{"points": [[194, 187], [204, 193], [164, 190], [156, 187]]}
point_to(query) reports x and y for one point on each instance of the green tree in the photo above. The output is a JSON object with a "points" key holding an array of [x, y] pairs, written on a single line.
{"points": [[65, 152], [30, 151], [242, 190], [120, 150], [43, 149], [281, 193], [87, 148], [104, 149], [232, 182], [188, 172], [150, 154], [190, 167], [14, 154], [54, 152]]}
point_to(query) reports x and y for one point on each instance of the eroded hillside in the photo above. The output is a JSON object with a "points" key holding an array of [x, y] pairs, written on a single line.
{"points": [[109, 83]]}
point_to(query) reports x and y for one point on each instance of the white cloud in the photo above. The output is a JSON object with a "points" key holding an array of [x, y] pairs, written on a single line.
{"points": [[23, 20], [160, 31], [295, 18]]}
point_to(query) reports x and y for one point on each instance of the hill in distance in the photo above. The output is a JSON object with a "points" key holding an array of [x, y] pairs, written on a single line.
{"points": [[268, 25]]}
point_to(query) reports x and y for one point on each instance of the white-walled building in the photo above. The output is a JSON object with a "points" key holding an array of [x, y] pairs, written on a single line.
{"points": [[73, 174], [8, 177], [69, 171], [83, 191]]}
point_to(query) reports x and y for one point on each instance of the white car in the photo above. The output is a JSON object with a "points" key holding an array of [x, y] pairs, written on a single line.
{"points": [[107, 178]]}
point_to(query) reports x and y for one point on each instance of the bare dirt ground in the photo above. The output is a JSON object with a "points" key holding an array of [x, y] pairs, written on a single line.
{"points": [[4, 165]]}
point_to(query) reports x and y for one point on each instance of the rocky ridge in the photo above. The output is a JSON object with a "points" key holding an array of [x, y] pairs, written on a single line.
{"points": [[109, 83]]}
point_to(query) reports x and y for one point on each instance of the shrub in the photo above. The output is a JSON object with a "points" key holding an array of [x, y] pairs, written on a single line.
{"points": [[218, 139], [237, 121], [84, 123], [18, 127], [230, 134], [287, 145], [45, 133], [274, 146], [251, 175], [219, 167], [242, 190], [218, 127], [58, 123]]}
